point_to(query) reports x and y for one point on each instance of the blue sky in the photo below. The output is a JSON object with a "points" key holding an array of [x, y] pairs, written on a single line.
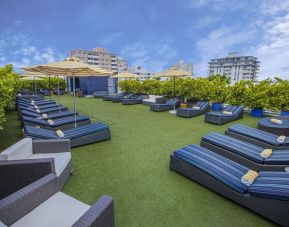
{"points": [[153, 34]]}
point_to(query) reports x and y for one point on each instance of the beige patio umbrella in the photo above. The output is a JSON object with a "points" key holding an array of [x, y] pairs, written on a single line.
{"points": [[125, 75], [69, 67], [173, 73]]}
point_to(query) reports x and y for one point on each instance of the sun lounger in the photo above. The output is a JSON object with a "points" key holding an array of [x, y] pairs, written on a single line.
{"points": [[60, 123], [169, 105], [110, 97], [47, 154], [230, 113], [257, 137], [46, 111], [40, 202], [100, 94], [247, 154], [55, 115], [45, 92], [120, 98], [41, 107], [132, 101], [198, 109], [267, 195], [78, 136], [34, 102], [58, 92], [275, 125]]}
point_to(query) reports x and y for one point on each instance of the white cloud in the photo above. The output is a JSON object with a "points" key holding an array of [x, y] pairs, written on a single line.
{"points": [[153, 57]]}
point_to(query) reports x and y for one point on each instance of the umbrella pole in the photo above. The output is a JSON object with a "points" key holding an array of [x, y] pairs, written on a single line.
{"points": [[58, 93], [74, 104], [49, 89], [174, 91], [34, 86]]}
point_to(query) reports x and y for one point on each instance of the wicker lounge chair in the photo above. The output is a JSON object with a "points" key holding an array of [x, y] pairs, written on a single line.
{"points": [[37, 103], [244, 153], [100, 94], [153, 99], [268, 195], [54, 154], [60, 123], [46, 111], [110, 97], [169, 105], [257, 137], [56, 115], [58, 92], [120, 98], [230, 113], [37, 201], [132, 101], [45, 92], [198, 109], [78, 136], [282, 128]]}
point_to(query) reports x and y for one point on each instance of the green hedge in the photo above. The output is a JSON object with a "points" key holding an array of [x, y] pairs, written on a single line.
{"points": [[43, 84], [9, 86], [266, 94]]}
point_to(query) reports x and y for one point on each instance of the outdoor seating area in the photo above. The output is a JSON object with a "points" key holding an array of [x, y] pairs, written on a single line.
{"points": [[276, 125], [221, 163]]}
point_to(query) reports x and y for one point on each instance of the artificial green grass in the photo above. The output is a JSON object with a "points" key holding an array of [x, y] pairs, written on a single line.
{"points": [[134, 168]]}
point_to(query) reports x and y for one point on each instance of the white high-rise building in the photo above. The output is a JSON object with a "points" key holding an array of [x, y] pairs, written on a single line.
{"points": [[138, 70], [235, 67]]}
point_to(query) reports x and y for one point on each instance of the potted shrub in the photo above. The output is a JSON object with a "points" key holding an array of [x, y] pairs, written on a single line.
{"points": [[152, 87], [279, 96], [237, 93], [218, 92], [256, 97]]}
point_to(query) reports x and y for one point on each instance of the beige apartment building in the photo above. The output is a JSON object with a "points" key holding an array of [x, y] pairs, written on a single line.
{"points": [[101, 58]]}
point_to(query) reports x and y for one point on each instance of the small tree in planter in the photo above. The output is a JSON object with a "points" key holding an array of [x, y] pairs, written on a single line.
{"points": [[185, 88], [201, 89], [152, 87], [133, 86], [279, 96], [218, 92], [256, 97], [237, 93]]}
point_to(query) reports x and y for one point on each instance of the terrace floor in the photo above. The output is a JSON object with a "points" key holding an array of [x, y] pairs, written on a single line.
{"points": [[133, 168]]}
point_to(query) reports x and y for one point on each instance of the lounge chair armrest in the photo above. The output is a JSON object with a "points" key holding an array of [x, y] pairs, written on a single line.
{"points": [[100, 214], [51, 146], [23, 201]]}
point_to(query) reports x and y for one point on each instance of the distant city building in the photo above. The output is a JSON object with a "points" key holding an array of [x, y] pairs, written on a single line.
{"points": [[101, 58], [181, 65], [138, 70], [235, 67]]}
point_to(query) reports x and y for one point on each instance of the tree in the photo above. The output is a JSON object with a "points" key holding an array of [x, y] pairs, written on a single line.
{"points": [[222, 77]]}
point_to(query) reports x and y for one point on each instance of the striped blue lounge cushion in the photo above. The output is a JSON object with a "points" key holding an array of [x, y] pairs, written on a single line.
{"points": [[274, 185], [202, 105], [257, 134], [53, 109], [244, 149], [29, 113], [68, 134], [173, 101], [57, 122], [223, 169], [234, 109], [247, 150]]}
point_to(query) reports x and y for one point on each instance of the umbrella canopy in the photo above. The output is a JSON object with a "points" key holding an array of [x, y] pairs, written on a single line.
{"points": [[173, 72], [69, 67], [125, 75], [30, 78]]}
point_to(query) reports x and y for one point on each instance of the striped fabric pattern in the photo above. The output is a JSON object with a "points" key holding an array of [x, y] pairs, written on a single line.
{"points": [[274, 185], [57, 122], [223, 169], [247, 150], [68, 134], [172, 101], [53, 109], [257, 134], [267, 122], [234, 109]]}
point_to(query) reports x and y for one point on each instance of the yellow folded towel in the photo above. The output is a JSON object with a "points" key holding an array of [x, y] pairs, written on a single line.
{"points": [[44, 115], [36, 126], [37, 110], [60, 133], [50, 122], [227, 112], [249, 177], [266, 153], [36, 107], [281, 139], [276, 121], [196, 108]]}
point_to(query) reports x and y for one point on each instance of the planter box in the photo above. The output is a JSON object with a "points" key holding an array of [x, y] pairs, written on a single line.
{"points": [[285, 113], [217, 106], [257, 112]]}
